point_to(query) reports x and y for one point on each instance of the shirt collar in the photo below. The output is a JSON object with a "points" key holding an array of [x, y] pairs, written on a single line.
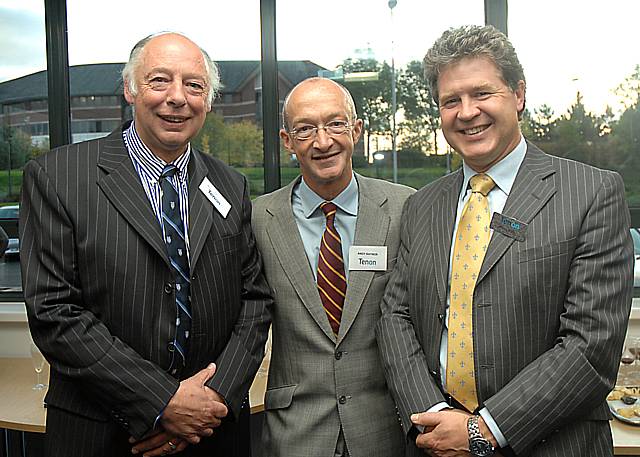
{"points": [[148, 160], [347, 200], [504, 172]]}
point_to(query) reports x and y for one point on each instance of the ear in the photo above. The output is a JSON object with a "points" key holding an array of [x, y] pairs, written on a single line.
{"points": [[356, 131], [287, 141], [520, 94], [128, 96]]}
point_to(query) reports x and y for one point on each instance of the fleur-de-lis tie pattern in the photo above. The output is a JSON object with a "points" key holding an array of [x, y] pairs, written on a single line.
{"points": [[472, 239], [175, 240], [332, 282]]}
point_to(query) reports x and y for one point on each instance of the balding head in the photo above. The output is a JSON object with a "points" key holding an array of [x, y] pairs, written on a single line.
{"points": [[317, 83]]}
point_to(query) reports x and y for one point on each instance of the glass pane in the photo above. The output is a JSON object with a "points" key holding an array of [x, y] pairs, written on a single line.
{"points": [[24, 125], [359, 54], [233, 130], [583, 85]]}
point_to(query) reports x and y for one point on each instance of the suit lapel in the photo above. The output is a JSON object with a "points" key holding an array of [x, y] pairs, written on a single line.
{"points": [[372, 226], [530, 192], [123, 188], [284, 235], [200, 209], [444, 217]]}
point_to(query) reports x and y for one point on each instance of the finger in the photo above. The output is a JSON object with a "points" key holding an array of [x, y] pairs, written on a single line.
{"points": [[219, 410], [426, 419], [203, 375], [181, 447], [152, 442], [192, 439]]}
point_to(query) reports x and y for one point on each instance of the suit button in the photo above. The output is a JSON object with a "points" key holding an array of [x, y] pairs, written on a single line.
{"points": [[342, 400], [193, 278], [440, 317], [338, 355], [168, 288]]}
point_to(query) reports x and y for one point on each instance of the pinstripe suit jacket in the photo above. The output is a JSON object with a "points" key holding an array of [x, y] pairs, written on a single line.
{"points": [[549, 313], [310, 369], [99, 287]]}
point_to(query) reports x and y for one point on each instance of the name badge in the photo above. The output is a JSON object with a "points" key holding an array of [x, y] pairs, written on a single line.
{"points": [[215, 197], [372, 258], [508, 226]]}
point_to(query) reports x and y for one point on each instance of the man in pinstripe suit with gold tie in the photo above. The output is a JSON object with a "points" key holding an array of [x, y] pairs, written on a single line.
{"points": [[140, 273], [504, 318]]}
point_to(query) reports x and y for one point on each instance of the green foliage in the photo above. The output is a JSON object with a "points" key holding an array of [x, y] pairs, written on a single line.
{"points": [[237, 144], [421, 114]]}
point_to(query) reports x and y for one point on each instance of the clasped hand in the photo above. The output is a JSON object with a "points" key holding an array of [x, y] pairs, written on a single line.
{"points": [[192, 413]]}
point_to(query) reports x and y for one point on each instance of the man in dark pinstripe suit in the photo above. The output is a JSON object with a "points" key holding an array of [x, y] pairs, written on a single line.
{"points": [[551, 297], [100, 285]]}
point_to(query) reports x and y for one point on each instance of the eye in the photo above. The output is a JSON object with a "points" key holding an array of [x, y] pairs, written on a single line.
{"points": [[449, 102], [304, 128], [158, 82], [337, 124], [482, 94], [195, 86]]}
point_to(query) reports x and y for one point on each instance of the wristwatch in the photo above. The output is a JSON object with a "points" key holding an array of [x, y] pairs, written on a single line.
{"points": [[479, 446]]}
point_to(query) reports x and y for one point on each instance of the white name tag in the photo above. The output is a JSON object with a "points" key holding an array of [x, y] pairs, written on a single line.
{"points": [[215, 197], [372, 258]]}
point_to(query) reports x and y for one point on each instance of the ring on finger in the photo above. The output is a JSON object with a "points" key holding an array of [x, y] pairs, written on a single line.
{"points": [[172, 445]]}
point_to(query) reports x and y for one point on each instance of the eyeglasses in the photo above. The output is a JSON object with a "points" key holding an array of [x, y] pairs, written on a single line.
{"points": [[332, 128]]}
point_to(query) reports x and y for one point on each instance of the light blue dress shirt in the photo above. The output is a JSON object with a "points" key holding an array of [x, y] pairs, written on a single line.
{"points": [[503, 174], [311, 220]]}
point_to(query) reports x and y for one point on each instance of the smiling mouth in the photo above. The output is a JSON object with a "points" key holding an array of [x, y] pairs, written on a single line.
{"points": [[326, 156], [173, 119], [475, 130]]}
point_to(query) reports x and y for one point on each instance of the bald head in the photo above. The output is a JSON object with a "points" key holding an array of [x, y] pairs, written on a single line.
{"points": [[316, 84], [138, 53]]}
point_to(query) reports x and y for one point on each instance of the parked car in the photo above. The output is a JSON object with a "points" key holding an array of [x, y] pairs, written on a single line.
{"points": [[9, 214]]}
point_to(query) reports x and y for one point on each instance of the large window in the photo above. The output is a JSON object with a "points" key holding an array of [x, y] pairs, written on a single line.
{"points": [[24, 127], [360, 43], [229, 32]]}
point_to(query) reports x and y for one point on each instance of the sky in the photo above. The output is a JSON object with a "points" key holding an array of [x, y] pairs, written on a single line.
{"points": [[564, 45]]}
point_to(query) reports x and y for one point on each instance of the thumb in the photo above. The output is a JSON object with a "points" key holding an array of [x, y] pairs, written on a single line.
{"points": [[426, 419], [206, 373]]}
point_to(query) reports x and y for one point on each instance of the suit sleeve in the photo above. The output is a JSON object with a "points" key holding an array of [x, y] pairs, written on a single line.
{"points": [[570, 380], [73, 339], [410, 381], [241, 357]]}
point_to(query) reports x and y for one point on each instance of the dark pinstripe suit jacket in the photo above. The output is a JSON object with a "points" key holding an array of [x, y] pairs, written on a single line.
{"points": [[550, 312], [99, 288]]}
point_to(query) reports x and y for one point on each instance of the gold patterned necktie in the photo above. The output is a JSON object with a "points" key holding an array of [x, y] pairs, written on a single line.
{"points": [[472, 239]]}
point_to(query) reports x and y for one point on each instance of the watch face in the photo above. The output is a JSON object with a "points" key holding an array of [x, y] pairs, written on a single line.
{"points": [[479, 447]]}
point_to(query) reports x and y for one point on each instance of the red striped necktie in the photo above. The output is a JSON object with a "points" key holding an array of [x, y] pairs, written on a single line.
{"points": [[332, 282]]}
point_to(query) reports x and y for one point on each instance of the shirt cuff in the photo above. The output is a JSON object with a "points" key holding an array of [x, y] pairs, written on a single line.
{"points": [[438, 407], [493, 427]]}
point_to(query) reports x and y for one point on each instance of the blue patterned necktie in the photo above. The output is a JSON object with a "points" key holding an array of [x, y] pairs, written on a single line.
{"points": [[175, 240]]}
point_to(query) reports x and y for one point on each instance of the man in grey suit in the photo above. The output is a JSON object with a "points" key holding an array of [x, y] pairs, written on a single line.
{"points": [[502, 332], [140, 272], [326, 393]]}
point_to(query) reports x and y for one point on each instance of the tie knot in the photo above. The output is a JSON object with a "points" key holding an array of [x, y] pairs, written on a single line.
{"points": [[329, 209], [168, 171], [482, 183]]}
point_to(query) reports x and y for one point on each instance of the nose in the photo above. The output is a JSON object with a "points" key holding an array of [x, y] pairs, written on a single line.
{"points": [[322, 140], [468, 109], [175, 94]]}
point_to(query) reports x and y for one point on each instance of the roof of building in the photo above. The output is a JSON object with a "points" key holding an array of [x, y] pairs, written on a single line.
{"points": [[104, 79]]}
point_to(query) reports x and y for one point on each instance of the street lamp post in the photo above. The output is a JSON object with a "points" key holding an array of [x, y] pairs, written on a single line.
{"points": [[394, 152]]}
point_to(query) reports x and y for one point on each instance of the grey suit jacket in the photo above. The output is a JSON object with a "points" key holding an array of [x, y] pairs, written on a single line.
{"points": [[317, 383], [99, 287], [550, 312]]}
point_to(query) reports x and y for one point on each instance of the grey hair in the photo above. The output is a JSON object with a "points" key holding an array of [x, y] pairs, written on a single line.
{"points": [[472, 41], [129, 69], [315, 79]]}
